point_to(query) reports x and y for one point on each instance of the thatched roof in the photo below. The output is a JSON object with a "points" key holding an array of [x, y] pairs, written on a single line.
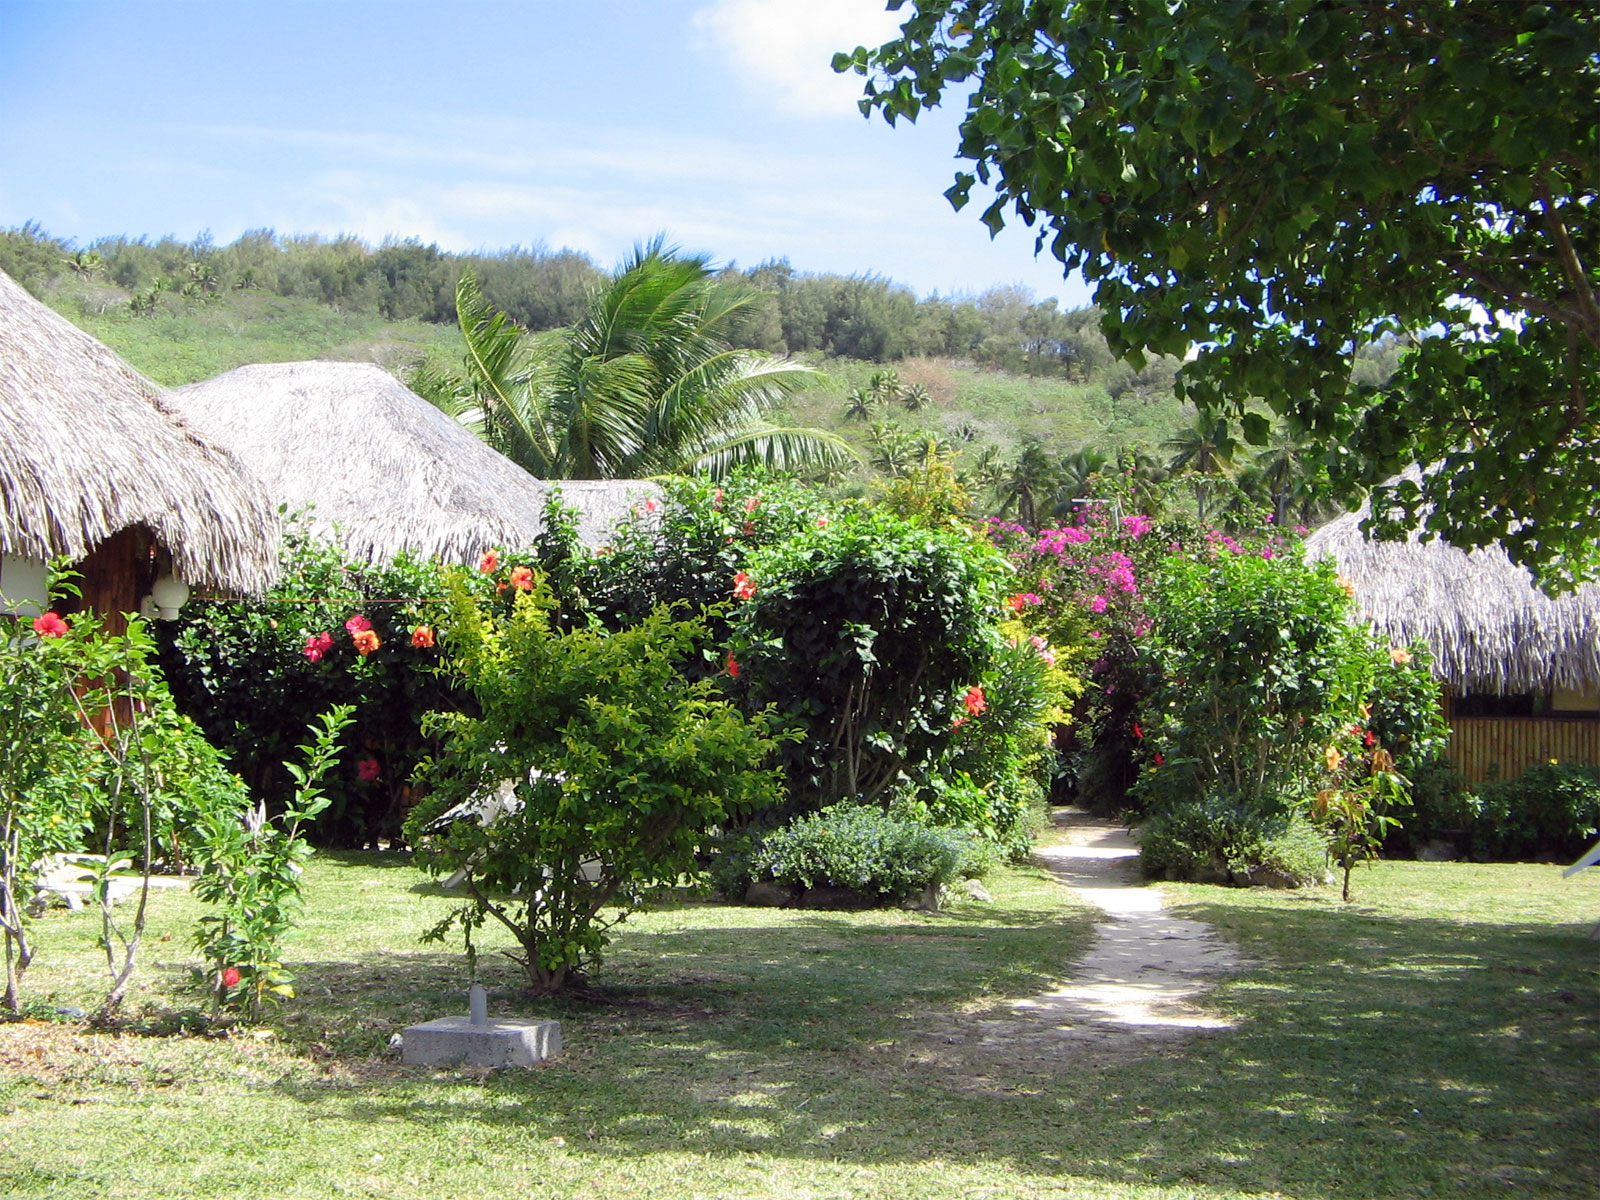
{"points": [[1487, 626], [382, 469], [90, 447], [603, 504]]}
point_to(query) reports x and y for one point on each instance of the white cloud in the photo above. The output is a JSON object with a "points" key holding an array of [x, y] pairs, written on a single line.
{"points": [[782, 50]]}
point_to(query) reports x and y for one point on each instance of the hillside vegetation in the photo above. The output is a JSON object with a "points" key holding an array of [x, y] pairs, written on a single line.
{"points": [[987, 380]]}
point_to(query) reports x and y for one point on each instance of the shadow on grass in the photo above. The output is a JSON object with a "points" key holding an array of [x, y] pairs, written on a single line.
{"points": [[1380, 1057]]}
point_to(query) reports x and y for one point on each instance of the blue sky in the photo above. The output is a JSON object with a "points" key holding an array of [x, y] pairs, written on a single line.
{"points": [[482, 125]]}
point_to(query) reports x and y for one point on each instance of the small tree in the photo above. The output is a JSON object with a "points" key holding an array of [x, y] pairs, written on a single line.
{"points": [[614, 767], [250, 869]]}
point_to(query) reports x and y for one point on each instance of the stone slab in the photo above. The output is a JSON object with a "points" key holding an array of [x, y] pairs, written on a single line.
{"points": [[503, 1042]]}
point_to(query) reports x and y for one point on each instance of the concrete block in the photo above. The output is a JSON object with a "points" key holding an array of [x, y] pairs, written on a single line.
{"points": [[501, 1042]]}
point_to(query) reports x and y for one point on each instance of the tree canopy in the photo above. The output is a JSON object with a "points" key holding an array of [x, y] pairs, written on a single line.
{"points": [[1278, 184]]}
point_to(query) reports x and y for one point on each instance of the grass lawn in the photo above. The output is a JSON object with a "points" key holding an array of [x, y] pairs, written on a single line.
{"points": [[1435, 1038]]}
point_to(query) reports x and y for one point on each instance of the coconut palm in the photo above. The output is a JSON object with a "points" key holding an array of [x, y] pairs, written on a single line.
{"points": [[645, 383], [859, 405], [1204, 450], [1029, 482]]}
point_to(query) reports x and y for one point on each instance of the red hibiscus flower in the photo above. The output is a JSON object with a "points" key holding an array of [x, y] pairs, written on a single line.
{"points": [[522, 579], [744, 587], [974, 700], [733, 666], [231, 977], [357, 624], [366, 642], [422, 637], [317, 645], [49, 625], [367, 770], [490, 562]]}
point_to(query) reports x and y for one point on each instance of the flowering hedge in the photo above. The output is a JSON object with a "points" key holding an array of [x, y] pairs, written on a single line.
{"points": [[255, 674]]}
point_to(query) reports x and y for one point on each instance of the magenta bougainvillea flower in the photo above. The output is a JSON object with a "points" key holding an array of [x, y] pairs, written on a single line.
{"points": [[49, 625]]}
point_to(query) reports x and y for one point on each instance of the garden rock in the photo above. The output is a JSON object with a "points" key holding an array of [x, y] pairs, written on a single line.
{"points": [[1437, 850], [1268, 878], [927, 900], [974, 890]]}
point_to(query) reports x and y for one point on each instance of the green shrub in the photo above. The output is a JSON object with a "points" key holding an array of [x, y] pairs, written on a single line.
{"points": [[1552, 809], [1444, 806], [868, 634], [1218, 839], [861, 848], [618, 767], [253, 675]]}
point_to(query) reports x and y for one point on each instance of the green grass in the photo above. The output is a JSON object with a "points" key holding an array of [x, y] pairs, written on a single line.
{"points": [[974, 408], [188, 340], [1435, 1038]]}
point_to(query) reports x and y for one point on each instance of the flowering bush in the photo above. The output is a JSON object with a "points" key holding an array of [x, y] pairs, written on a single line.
{"points": [[871, 636], [90, 741], [250, 870], [255, 674]]}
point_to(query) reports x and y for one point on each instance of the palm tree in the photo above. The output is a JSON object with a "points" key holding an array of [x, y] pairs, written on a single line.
{"points": [[645, 383], [1029, 480], [1203, 449], [859, 405]]}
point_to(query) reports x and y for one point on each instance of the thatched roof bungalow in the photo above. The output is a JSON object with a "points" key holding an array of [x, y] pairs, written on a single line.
{"points": [[97, 467], [1521, 669], [381, 469]]}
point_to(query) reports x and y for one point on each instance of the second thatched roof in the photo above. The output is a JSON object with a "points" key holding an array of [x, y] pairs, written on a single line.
{"points": [[89, 447], [382, 469], [1488, 627]]}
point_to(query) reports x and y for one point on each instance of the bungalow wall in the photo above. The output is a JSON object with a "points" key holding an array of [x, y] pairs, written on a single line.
{"points": [[1486, 748]]}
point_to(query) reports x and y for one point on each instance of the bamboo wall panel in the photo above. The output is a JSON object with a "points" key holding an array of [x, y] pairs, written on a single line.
{"points": [[1485, 748]]}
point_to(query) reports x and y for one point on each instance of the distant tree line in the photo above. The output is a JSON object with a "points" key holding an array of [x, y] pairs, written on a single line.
{"points": [[855, 316]]}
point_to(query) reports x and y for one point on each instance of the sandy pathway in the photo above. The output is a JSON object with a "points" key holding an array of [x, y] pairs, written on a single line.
{"points": [[1139, 981]]}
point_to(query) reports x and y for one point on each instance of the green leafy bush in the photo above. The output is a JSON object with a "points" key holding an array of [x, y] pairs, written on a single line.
{"points": [[615, 766], [1259, 670], [867, 635], [1218, 839], [1552, 809], [1444, 807], [861, 848]]}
